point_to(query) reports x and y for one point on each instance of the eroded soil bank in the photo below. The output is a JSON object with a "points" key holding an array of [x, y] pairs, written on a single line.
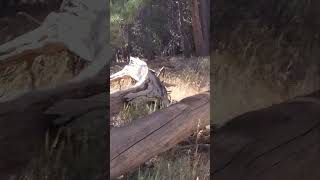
{"points": [[44, 71]]}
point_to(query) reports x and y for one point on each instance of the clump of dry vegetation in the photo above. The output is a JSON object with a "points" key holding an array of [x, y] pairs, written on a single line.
{"points": [[131, 112], [185, 167], [188, 79], [68, 156]]}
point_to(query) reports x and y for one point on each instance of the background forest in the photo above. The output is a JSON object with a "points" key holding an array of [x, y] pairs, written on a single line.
{"points": [[156, 28], [171, 35]]}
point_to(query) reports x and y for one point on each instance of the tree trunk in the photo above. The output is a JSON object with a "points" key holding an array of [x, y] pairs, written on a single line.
{"points": [[200, 24], [130, 39], [146, 137], [183, 40], [279, 142], [205, 22]]}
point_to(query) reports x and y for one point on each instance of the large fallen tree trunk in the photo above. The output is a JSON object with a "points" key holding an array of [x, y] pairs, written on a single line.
{"points": [[279, 142], [144, 138], [148, 87]]}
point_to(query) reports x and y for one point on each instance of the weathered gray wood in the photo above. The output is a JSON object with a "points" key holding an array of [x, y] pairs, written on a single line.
{"points": [[278, 142], [146, 137], [81, 27], [147, 89]]}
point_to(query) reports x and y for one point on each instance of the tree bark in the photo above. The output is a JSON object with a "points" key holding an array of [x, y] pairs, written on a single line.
{"points": [[200, 24], [205, 22], [183, 40], [278, 142], [146, 137]]}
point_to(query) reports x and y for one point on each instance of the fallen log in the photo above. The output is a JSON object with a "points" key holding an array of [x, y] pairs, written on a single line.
{"points": [[148, 87], [146, 137], [278, 142]]}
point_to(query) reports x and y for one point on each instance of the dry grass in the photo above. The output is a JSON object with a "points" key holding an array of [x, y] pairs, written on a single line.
{"points": [[189, 79], [68, 156], [131, 112], [257, 66], [183, 168]]}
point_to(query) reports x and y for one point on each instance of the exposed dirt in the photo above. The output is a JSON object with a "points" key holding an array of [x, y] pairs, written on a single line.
{"points": [[43, 71]]}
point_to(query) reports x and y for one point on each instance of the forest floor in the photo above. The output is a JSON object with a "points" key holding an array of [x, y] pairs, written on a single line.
{"points": [[190, 158]]}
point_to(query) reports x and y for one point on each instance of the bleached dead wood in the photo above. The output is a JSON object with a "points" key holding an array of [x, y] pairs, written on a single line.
{"points": [[80, 27], [146, 137], [148, 87]]}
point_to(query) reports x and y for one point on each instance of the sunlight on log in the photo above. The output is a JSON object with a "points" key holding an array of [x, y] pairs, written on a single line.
{"points": [[146, 137]]}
